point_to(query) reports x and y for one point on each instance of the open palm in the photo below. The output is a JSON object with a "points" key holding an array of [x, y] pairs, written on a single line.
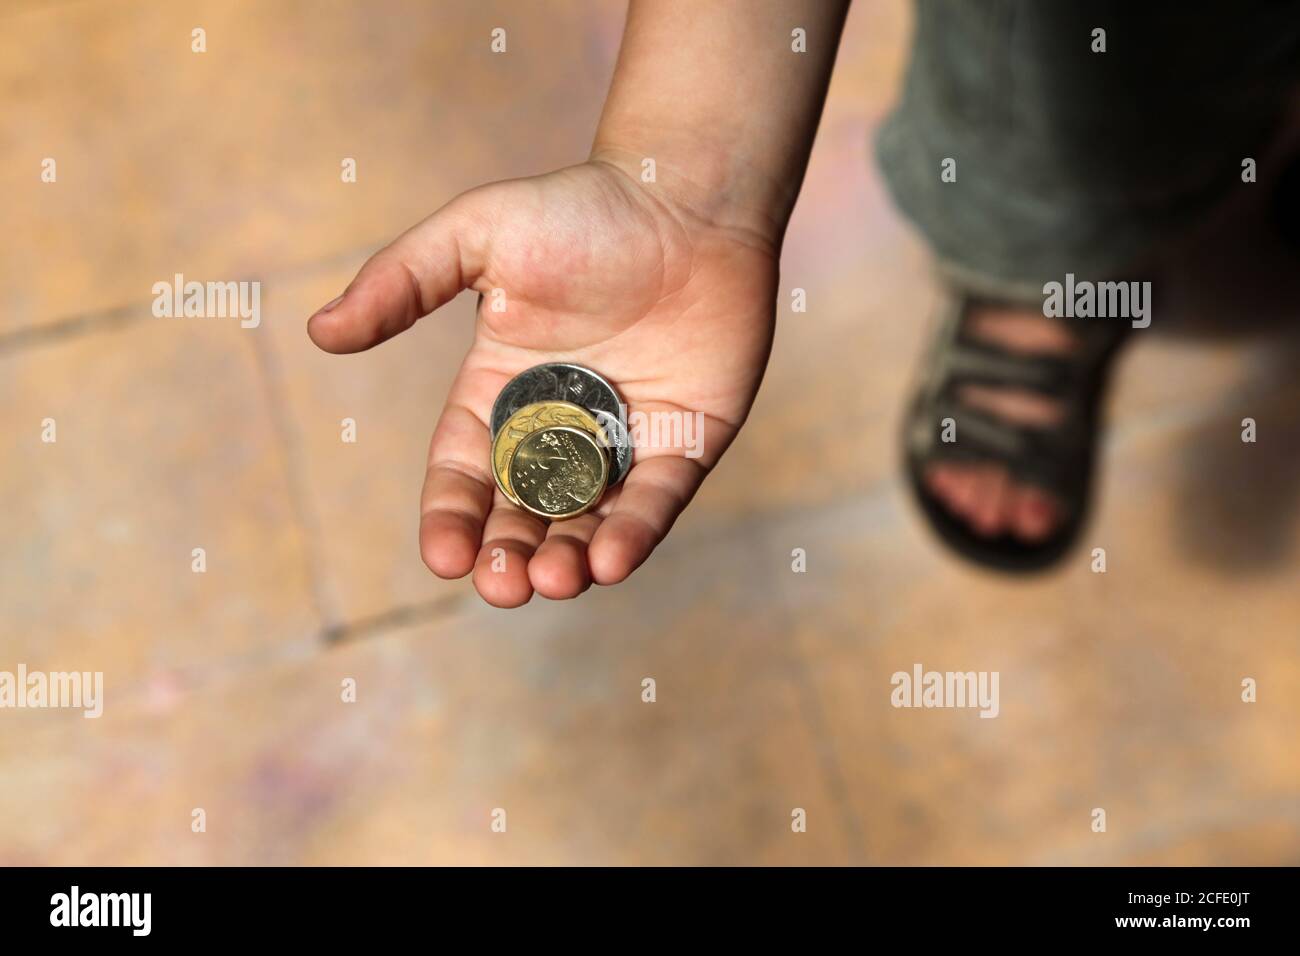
{"points": [[585, 265]]}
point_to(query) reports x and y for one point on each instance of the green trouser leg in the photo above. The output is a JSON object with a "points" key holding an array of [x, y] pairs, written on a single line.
{"points": [[1069, 160]]}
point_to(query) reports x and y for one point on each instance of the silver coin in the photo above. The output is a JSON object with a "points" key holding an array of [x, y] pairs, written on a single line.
{"points": [[562, 382], [620, 458]]}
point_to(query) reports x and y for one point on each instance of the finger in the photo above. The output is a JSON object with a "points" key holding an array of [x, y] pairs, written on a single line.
{"points": [[423, 269], [457, 494], [559, 568], [653, 495], [510, 537]]}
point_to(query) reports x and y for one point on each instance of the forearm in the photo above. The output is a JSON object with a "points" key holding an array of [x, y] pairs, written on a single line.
{"points": [[714, 93]]}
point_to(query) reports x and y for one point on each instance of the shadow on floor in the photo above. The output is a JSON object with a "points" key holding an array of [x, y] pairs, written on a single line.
{"points": [[1238, 281]]}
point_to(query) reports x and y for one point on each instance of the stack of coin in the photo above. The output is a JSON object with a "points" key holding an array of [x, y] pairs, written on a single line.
{"points": [[558, 440]]}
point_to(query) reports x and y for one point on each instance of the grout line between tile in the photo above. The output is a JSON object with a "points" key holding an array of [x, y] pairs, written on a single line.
{"points": [[827, 755], [130, 313], [323, 597], [71, 327], [393, 619]]}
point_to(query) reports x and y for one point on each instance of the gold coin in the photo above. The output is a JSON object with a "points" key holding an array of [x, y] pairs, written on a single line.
{"points": [[528, 420], [559, 472]]}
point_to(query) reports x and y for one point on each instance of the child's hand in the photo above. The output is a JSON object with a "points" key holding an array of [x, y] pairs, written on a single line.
{"points": [[599, 269], [666, 288]]}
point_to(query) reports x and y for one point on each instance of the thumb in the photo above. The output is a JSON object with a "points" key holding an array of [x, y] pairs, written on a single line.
{"points": [[421, 270]]}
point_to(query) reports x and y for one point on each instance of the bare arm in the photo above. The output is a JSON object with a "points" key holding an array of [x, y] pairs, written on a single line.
{"points": [[715, 94]]}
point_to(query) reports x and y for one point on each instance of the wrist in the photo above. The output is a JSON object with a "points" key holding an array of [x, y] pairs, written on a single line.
{"points": [[720, 188]]}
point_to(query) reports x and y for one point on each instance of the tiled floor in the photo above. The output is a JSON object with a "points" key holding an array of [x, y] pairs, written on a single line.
{"points": [[1119, 691]]}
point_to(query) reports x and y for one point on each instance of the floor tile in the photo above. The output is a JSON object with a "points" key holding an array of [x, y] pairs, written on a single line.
{"points": [[536, 712], [226, 165], [363, 497], [1120, 691], [163, 444]]}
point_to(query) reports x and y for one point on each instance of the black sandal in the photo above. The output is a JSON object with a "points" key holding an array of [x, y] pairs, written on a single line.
{"points": [[1057, 458]]}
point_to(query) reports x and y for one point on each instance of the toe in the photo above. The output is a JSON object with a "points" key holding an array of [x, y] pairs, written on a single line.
{"points": [[964, 492], [1036, 515], [939, 480], [985, 514]]}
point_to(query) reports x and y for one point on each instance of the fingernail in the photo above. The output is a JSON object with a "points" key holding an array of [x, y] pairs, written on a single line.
{"points": [[329, 305]]}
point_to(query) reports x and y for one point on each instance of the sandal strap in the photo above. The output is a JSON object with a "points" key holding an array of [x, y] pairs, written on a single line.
{"points": [[1054, 457], [978, 363]]}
